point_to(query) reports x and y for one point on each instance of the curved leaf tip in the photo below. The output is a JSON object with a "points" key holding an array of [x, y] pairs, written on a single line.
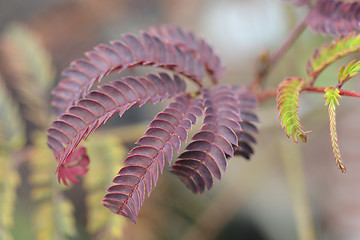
{"points": [[351, 70], [287, 105], [75, 165]]}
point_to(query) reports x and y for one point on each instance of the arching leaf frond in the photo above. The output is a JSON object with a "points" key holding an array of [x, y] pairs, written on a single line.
{"points": [[334, 17], [206, 156], [199, 47], [190, 57], [247, 103], [98, 106], [147, 160]]}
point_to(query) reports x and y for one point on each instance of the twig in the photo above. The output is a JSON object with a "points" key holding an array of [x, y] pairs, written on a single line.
{"points": [[342, 92], [268, 93], [271, 62]]}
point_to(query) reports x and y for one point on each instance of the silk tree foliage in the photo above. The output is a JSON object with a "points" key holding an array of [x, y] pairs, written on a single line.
{"points": [[228, 125], [228, 111]]}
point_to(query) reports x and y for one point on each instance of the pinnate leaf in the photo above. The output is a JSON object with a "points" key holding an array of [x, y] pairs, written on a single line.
{"points": [[147, 160], [334, 17], [331, 96], [328, 53], [287, 106], [247, 103], [98, 106], [351, 70], [225, 133], [171, 48]]}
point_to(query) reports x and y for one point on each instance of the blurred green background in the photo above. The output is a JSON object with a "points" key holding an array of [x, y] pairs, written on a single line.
{"points": [[287, 191]]}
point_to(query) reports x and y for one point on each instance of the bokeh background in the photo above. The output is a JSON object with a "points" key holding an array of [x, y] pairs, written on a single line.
{"points": [[287, 191]]}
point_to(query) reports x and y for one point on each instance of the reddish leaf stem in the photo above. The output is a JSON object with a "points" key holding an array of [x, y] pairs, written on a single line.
{"points": [[268, 93], [264, 95], [341, 91]]}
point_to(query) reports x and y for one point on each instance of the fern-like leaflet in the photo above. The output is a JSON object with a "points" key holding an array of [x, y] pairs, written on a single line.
{"points": [[287, 105], [187, 41], [219, 137], [140, 175], [334, 17], [98, 106], [328, 53], [227, 129], [332, 95], [345, 73], [247, 103], [190, 56]]}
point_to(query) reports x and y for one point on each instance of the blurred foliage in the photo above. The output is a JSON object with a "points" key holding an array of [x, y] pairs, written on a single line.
{"points": [[9, 181], [53, 214], [12, 131], [106, 153], [28, 73]]}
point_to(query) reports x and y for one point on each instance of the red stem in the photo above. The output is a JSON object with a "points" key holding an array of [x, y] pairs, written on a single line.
{"points": [[342, 92], [269, 93]]}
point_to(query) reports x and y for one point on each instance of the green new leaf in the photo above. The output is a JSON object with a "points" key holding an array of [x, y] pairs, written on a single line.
{"points": [[287, 105], [332, 95], [327, 54], [351, 70]]}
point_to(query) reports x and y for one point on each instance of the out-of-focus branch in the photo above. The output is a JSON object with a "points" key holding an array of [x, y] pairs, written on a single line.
{"points": [[267, 62]]}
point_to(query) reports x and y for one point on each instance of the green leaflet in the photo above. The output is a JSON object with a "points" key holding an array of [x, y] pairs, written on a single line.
{"points": [[328, 53], [287, 105], [332, 95], [351, 70]]}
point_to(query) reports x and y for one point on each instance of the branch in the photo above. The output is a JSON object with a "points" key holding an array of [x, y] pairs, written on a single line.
{"points": [[341, 91], [268, 93], [269, 62]]}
